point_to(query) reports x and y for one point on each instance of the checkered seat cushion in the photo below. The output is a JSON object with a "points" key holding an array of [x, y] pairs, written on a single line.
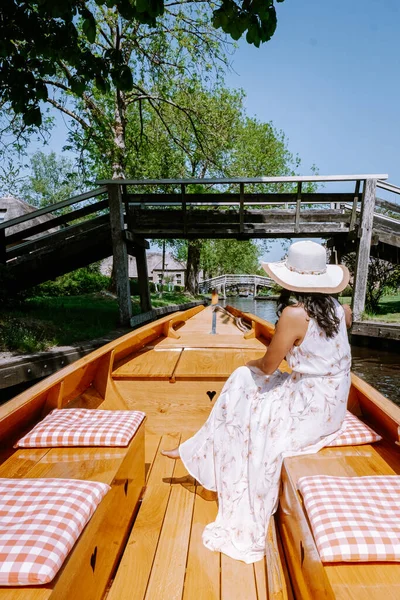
{"points": [[40, 521], [354, 519], [354, 433], [83, 427]]}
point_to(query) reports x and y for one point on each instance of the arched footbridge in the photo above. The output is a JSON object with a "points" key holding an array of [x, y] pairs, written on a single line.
{"points": [[242, 283]]}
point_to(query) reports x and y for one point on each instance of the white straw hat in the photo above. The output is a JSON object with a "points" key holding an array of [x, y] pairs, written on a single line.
{"points": [[305, 270]]}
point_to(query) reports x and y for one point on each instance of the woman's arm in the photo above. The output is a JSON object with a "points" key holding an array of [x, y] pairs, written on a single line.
{"points": [[348, 315], [290, 329]]}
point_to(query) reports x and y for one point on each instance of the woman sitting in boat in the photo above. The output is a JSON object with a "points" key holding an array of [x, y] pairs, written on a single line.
{"points": [[263, 415]]}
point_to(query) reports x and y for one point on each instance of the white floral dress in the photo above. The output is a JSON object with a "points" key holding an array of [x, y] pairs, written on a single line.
{"points": [[255, 423]]}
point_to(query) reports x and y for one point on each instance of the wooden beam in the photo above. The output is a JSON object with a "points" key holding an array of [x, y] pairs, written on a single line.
{"points": [[241, 208], [3, 257], [226, 180], [392, 206], [234, 198], [136, 239], [184, 207], [363, 252], [61, 220], [52, 207], [143, 279], [298, 204], [354, 209], [120, 254]]}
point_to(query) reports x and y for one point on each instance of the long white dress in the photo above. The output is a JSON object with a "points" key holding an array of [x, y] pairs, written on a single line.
{"points": [[256, 422]]}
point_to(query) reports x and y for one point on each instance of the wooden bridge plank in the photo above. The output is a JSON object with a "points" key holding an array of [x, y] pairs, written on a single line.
{"points": [[135, 567]]}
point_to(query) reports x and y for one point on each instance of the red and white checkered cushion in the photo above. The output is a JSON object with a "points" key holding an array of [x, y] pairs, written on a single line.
{"points": [[40, 521], [83, 427], [354, 519], [354, 432]]}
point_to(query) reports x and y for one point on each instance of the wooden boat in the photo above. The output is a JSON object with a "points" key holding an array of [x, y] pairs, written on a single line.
{"points": [[144, 540]]}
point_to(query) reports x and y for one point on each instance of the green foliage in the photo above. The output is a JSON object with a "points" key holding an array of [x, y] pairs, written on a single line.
{"points": [[383, 278], [25, 335], [229, 256], [39, 38], [51, 179], [82, 281]]}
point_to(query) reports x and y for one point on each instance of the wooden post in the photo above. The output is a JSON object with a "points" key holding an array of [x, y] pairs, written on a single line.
{"points": [[120, 254], [354, 208], [3, 255], [363, 252], [241, 209], [298, 206], [143, 279]]}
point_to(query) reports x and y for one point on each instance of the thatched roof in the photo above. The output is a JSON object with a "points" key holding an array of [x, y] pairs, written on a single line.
{"points": [[11, 208], [154, 263]]}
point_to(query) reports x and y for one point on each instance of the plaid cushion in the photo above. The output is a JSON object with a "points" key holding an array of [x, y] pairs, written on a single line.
{"points": [[40, 521], [83, 427], [354, 433], [354, 519]]}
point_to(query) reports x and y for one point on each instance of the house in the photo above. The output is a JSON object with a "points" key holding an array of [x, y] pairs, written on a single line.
{"points": [[174, 270], [11, 208]]}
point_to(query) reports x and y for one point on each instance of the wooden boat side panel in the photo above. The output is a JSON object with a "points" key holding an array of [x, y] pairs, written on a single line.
{"points": [[381, 412], [88, 568], [306, 571]]}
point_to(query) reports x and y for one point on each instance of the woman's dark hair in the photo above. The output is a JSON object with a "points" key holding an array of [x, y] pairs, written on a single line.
{"points": [[320, 307]]}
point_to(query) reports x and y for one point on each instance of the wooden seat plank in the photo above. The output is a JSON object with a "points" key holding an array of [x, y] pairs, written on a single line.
{"points": [[205, 340], [202, 580], [261, 581], [134, 570], [205, 363], [156, 363], [168, 572]]}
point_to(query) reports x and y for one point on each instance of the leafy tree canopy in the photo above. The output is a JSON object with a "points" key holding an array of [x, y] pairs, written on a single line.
{"points": [[37, 35]]}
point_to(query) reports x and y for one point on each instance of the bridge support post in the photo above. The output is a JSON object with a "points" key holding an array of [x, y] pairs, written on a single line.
{"points": [[120, 254], [363, 251], [143, 278]]}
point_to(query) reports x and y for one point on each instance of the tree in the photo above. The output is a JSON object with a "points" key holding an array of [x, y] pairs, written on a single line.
{"points": [[219, 257], [383, 276], [51, 180], [36, 36]]}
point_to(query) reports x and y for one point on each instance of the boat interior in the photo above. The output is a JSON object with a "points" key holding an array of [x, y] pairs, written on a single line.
{"points": [[144, 540]]}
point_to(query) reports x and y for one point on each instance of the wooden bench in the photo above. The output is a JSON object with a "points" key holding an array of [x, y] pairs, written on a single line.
{"points": [[87, 570], [310, 578]]}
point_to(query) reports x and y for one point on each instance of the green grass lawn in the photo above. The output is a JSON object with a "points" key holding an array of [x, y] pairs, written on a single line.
{"points": [[388, 311], [43, 322]]}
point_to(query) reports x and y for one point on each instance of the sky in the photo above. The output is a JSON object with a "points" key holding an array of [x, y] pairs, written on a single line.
{"points": [[329, 79]]}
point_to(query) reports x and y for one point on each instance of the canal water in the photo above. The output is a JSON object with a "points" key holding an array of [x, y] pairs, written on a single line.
{"points": [[378, 367]]}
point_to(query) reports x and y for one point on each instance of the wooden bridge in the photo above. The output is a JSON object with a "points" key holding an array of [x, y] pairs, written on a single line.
{"points": [[223, 282], [121, 215]]}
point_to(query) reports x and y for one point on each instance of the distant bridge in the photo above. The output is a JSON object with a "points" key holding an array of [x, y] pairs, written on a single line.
{"points": [[246, 282]]}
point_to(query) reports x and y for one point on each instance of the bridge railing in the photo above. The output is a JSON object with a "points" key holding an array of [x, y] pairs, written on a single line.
{"points": [[29, 232], [302, 209]]}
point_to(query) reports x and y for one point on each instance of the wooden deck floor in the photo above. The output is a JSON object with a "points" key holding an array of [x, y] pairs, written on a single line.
{"points": [[165, 558]]}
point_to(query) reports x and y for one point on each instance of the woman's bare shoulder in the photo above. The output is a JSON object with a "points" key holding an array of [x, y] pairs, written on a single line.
{"points": [[294, 312]]}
